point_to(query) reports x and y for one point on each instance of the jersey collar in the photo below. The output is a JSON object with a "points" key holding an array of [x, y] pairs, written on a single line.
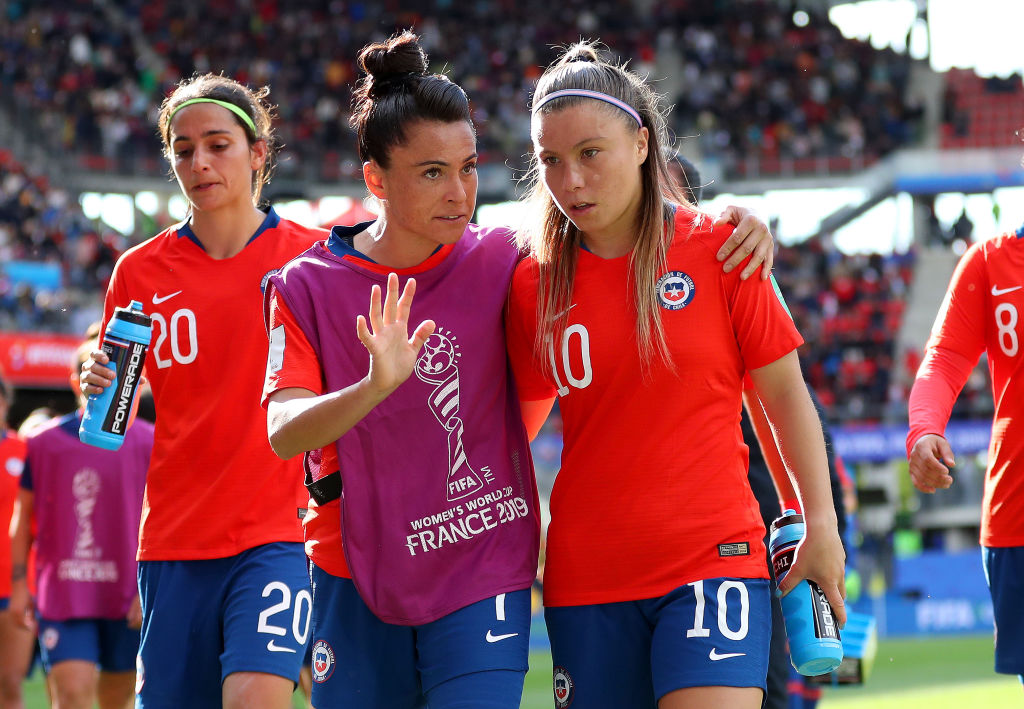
{"points": [[341, 242], [269, 222]]}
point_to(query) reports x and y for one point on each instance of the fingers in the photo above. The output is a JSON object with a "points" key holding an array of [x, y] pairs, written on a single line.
{"points": [[788, 583], [394, 310], [405, 302], [836, 599], [94, 376], [761, 252], [928, 460], [731, 215], [751, 237], [744, 240], [769, 261], [944, 452], [391, 299], [376, 314], [395, 307], [363, 332], [835, 593], [744, 249], [425, 330], [930, 475], [734, 240]]}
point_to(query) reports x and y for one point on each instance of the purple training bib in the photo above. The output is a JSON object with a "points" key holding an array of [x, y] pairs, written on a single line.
{"points": [[439, 501], [87, 504]]}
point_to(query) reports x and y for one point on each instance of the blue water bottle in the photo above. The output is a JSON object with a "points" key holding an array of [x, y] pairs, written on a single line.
{"points": [[126, 342], [814, 643]]}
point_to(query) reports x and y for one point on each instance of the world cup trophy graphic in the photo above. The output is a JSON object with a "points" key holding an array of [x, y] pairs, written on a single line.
{"points": [[85, 486], [438, 366]]}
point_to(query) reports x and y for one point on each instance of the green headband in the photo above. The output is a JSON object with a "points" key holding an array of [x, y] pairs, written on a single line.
{"points": [[223, 104]]}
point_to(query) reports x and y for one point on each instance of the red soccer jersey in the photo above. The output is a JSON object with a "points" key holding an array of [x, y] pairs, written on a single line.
{"points": [[12, 460], [652, 493], [295, 364], [215, 488], [299, 367], [983, 312]]}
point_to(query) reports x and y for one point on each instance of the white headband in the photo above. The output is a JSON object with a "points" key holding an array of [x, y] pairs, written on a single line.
{"points": [[590, 94]]}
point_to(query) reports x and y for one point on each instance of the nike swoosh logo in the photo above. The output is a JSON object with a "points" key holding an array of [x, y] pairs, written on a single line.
{"points": [[491, 638], [714, 655], [157, 299], [274, 648], [1004, 291]]}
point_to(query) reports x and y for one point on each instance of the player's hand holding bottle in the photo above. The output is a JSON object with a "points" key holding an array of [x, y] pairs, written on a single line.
{"points": [[96, 375], [820, 558]]}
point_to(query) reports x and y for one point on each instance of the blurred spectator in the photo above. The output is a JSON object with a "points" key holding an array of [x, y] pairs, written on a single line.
{"points": [[963, 228]]}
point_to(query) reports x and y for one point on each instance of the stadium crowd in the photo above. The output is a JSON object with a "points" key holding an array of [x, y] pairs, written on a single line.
{"points": [[43, 229], [755, 89], [848, 308]]}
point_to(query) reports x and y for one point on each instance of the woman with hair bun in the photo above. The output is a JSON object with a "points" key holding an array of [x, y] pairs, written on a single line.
{"points": [[429, 600], [655, 582], [222, 577], [423, 528]]}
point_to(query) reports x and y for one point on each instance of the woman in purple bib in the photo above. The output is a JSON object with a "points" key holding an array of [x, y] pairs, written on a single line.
{"points": [[436, 502]]}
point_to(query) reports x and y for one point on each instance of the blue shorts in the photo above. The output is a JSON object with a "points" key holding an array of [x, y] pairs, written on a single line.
{"points": [[5, 602], [715, 632], [1004, 569], [111, 644], [474, 657], [204, 620]]}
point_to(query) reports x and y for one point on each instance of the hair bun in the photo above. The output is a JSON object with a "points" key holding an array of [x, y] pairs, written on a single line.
{"points": [[394, 63], [581, 52]]}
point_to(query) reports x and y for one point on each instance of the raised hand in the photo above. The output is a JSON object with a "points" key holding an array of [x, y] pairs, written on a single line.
{"points": [[393, 351]]}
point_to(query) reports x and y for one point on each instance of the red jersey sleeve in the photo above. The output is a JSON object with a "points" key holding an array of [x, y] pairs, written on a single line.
{"points": [[959, 325], [291, 361], [520, 332], [956, 343], [760, 318]]}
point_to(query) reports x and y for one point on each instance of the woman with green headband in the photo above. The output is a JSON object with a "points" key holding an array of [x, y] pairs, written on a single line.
{"points": [[222, 574]]}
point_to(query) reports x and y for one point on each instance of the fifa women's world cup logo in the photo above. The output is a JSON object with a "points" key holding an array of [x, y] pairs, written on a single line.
{"points": [[438, 366], [86, 487]]}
